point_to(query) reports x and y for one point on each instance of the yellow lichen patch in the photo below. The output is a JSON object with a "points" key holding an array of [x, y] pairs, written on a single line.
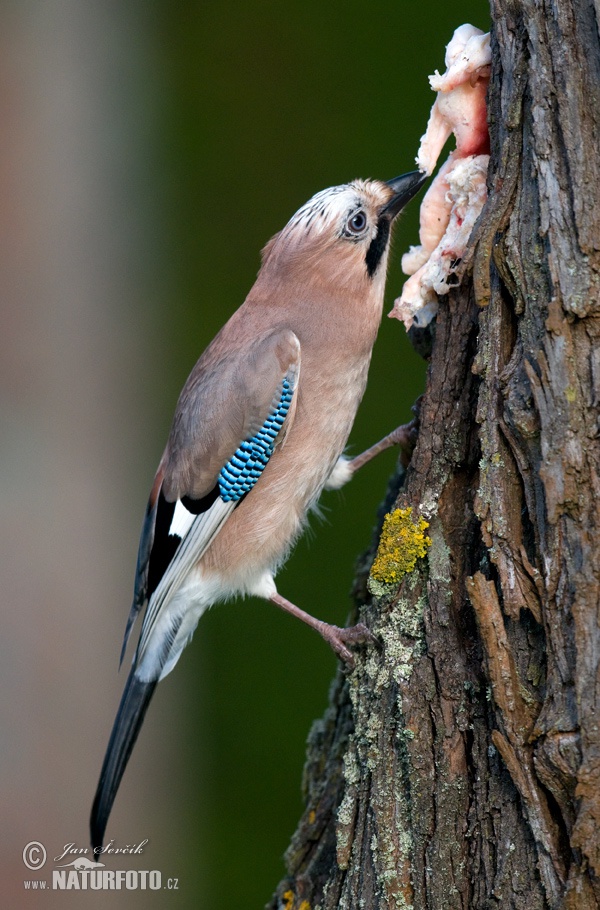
{"points": [[312, 817], [403, 541], [288, 897]]}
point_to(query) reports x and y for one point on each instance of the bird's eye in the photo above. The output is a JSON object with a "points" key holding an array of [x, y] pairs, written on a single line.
{"points": [[356, 223]]}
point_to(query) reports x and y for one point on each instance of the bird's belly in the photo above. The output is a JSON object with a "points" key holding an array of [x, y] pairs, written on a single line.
{"points": [[260, 532]]}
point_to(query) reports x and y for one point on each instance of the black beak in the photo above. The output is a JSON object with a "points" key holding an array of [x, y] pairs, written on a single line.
{"points": [[404, 187]]}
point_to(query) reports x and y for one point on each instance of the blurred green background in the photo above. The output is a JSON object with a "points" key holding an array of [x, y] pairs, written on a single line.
{"points": [[212, 123]]}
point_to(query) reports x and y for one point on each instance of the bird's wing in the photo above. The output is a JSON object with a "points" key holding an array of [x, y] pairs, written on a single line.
{"points": [[140, 590], [235, 409]]}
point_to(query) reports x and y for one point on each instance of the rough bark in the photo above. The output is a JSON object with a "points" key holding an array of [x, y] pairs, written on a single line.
{"points": [[459, 765]]}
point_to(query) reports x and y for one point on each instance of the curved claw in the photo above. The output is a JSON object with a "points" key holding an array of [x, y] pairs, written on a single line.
{"points": [[405, 436], [339, 638]]}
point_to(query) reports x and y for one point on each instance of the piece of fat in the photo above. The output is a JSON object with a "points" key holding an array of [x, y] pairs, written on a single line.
{"points": [[457, 194]]}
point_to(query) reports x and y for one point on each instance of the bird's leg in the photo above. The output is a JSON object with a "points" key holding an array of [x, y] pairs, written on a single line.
{"points": [[337, 637], [404, 436]]}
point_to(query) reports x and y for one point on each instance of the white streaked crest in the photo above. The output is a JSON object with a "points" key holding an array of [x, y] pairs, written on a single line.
{"points": [[326, 207]]}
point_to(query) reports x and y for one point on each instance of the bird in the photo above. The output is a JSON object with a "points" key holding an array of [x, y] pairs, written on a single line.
{"points": [[259, 431]]}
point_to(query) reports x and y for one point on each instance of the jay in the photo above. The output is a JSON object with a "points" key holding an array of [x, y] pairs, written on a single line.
{"points": [[258, 433]]}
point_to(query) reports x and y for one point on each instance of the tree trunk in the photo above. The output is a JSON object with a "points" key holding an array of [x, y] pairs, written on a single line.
{"points": [[459, 765]]}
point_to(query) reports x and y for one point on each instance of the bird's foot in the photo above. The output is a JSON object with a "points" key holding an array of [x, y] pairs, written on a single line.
{"points": [[340, 638], [404, 436]]}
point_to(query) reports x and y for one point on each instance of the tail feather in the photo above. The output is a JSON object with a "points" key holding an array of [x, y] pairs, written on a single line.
{"points": [[128, 722]]}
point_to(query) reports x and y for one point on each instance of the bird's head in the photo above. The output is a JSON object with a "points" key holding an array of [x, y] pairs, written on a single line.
{"points": [[342, 235]]}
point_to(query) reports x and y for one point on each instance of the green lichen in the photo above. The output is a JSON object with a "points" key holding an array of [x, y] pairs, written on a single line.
{"points": [[379, 590], [403, 541]]}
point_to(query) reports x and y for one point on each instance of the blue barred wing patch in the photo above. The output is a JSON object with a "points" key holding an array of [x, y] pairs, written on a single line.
{"points": [[245, 466]]}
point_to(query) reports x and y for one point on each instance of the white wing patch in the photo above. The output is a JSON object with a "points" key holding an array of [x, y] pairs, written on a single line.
{"points": [[181, 521], [195, 543]]}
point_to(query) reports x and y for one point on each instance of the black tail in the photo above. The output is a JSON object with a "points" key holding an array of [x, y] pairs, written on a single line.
{"points": [[130, 716]]}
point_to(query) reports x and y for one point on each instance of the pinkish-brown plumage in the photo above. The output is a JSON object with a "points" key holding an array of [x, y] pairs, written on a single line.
{"points": [[258, 432]]}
